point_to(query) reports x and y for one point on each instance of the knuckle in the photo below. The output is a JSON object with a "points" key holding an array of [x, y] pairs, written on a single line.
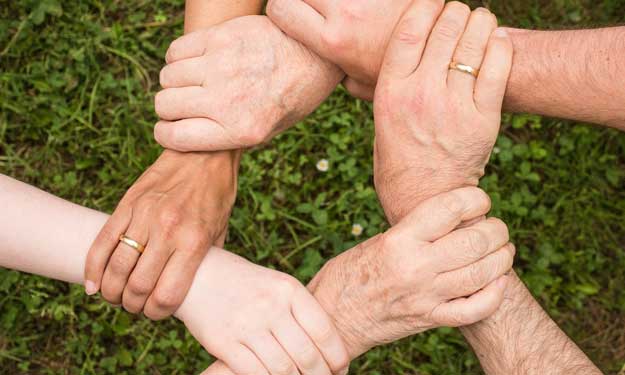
{"points": [[139, 286], [131, 308], [334, 40], [121, 263], [109, 294], [409, 31], [453, 203], [448, 30], [169, 218], [173, 51], [276, 9], [253, 135], [477, 277], [283, 366], [166, 299], [458, 7], [287, 285], [341, 363], [107, 235], [308, 357], [500, 226], [470, 48], [476, 242], [483, 200]]}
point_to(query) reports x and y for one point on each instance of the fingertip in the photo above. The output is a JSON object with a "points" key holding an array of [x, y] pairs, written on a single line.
{"points": [[91, 287], [160, 132]]}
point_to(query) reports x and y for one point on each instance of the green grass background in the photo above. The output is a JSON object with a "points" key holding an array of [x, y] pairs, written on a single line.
{"points": [[77, 80]]}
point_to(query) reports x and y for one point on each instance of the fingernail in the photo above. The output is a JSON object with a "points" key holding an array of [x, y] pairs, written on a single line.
{"points": [[90, 288], [501, 32], [344, 371]]}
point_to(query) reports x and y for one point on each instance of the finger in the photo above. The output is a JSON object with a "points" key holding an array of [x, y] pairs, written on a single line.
{"points": [[408, 41], [218, 368], [317, 324], [241, 360], [300, 21], [468, 280], [145, 275], [272, 355], [123, 261], [103, 246], [439, 215], [444, 39], [195, 44], [358, 89], [182, 73], [471, 50], [321, 6], [301, 349], [492, 80], [183, 102], [174, 283], [470, 310], [465, 246], [196, 134]]}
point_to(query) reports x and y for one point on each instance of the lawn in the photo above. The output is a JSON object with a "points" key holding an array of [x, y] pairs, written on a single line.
{"points": [[77, 80]]}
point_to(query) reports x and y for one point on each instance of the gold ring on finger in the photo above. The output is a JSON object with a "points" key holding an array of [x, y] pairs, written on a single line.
{"points": [[464, 68], [132, 243]]}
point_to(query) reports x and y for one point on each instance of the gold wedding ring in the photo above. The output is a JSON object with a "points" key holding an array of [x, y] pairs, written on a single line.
{"points": [[132, 243], [464, 68]]}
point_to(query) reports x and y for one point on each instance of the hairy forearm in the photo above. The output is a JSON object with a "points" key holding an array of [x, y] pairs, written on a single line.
{"points": [[520, 338], [573, 74]]}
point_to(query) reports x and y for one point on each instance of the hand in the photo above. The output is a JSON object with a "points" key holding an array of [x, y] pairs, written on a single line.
{"points": [[178, 210], [260, 321], [351, 34], [418, 275], [436, 127], [237, 85]]}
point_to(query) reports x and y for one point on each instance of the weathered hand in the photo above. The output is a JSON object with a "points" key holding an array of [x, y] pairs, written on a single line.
{"points": [[436, 127], [236, 85], [351, 34], [178, 210], [419, 275], [260, 321]]}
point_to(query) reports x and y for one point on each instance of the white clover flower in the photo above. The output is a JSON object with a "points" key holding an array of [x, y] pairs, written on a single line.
{"points": [[496, 150], [356, 230], [323, 165]]}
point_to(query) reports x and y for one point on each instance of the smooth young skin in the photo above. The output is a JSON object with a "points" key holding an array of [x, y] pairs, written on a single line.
{"points": [[236, 85], [519, 338], [548, 65], [178, 208], [256, 320]]}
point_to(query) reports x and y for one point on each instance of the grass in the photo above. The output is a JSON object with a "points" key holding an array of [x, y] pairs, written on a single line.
{"points": [[77, 81]]}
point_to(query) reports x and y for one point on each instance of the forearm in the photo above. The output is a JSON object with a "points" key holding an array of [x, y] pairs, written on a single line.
{"points": [[520, 338], [48, 236], [573, 74], [204, 13]]}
